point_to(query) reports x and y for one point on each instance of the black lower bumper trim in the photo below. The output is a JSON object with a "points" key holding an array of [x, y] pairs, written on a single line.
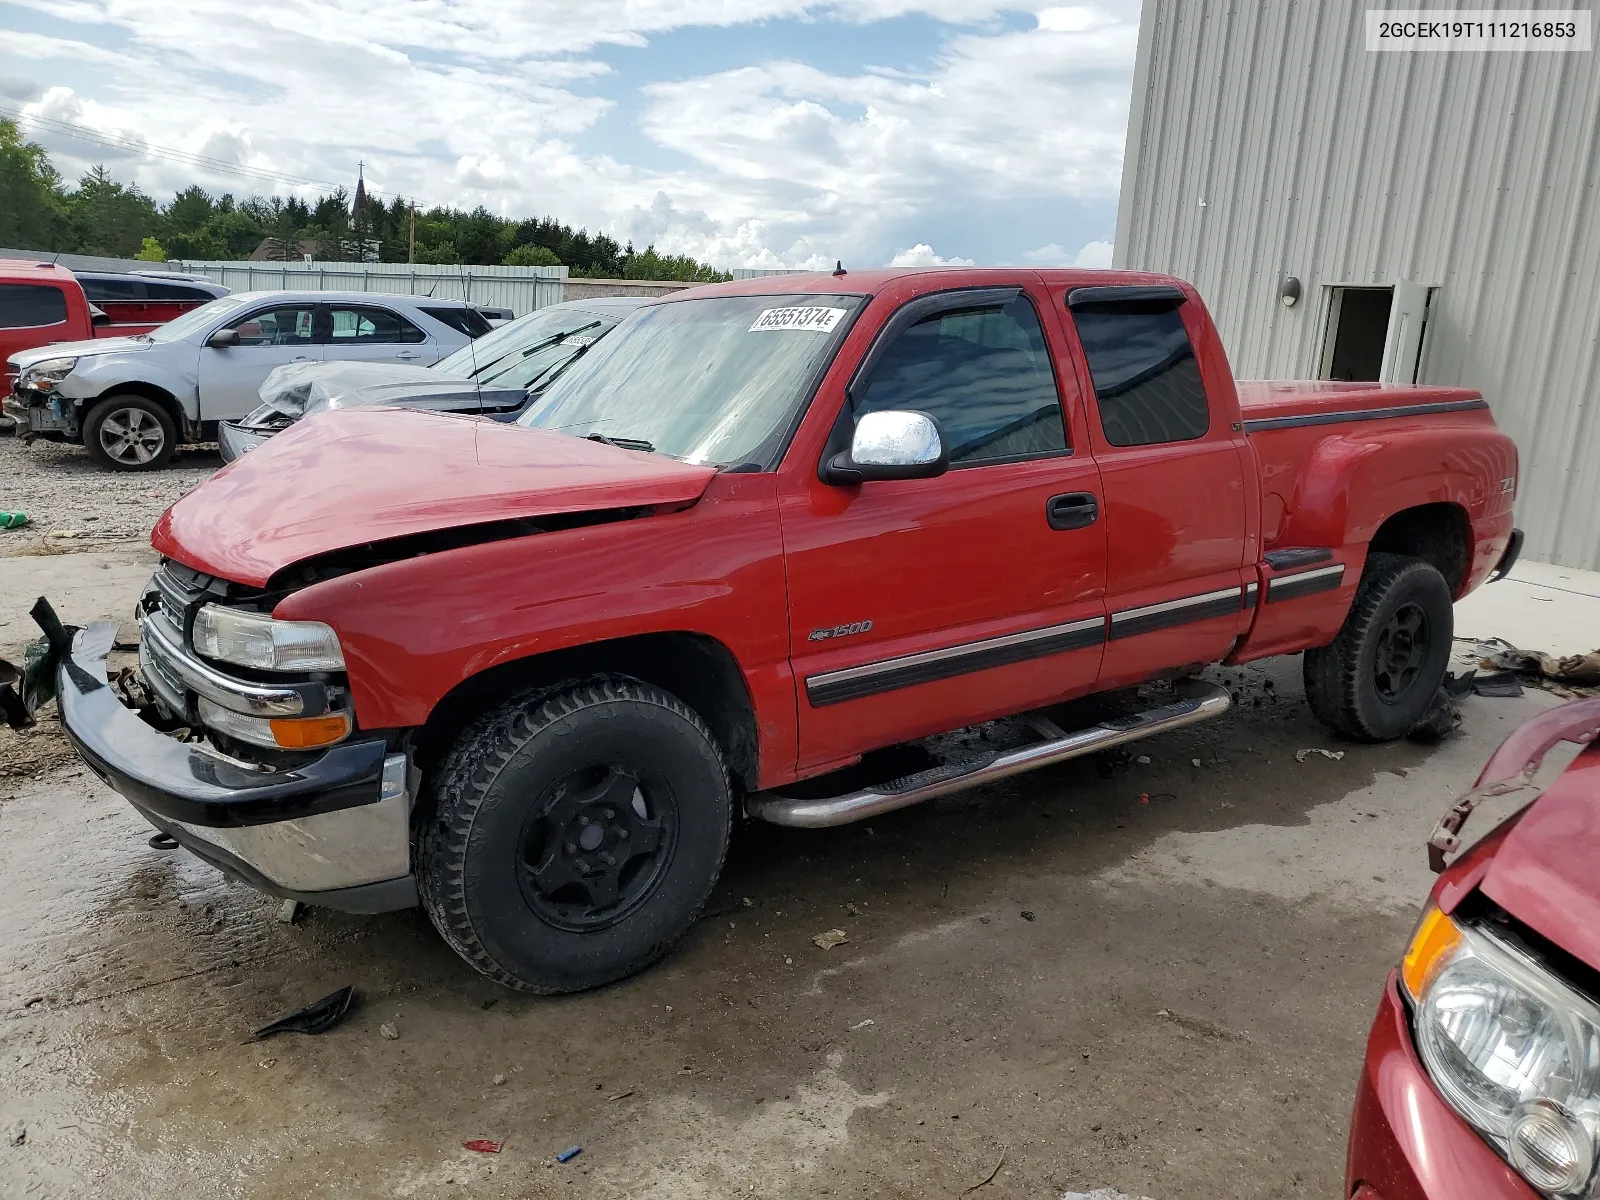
{"points": [[386, 895], [1509, 558], [185, 781]]}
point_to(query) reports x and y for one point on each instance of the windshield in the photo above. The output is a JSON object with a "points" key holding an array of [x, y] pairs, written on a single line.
{"points": [[195, 319], [530, 351], [716, 380]]}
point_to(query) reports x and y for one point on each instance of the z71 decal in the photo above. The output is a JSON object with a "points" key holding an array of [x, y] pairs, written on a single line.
{"points": [[822, 635]]}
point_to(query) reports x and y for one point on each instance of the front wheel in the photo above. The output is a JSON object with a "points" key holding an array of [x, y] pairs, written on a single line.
{"points": [[575, 835], [1376, 680], [130, 433]]}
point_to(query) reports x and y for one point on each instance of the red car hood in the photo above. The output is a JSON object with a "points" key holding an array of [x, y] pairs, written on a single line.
{"points": [[1544, 872], [340, 479]]}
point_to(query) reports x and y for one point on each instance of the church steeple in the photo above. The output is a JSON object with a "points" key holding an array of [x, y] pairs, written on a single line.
{"points": [[360, 201]]}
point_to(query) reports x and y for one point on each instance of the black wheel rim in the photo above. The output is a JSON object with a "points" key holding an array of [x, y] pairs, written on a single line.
{"points": [[596, 846], [1402, 652]]}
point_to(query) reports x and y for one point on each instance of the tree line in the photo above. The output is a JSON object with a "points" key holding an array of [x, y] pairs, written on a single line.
{"points": [[103, 216]]}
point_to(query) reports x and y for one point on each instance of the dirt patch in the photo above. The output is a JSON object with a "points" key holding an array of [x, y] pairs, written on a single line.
{"points": [[62, 491]]}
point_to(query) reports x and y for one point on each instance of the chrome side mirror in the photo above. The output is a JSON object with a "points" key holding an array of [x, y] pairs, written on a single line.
{"points": [[223, 338], [891, 445]]}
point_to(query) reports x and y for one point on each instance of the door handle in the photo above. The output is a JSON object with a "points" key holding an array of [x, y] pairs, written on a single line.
{"points": [[409, 354], [1072, 510]]}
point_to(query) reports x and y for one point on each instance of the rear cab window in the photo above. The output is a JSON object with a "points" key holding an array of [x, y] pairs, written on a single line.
{"points": [[1146, 378], [983, 373], [31, 305]]}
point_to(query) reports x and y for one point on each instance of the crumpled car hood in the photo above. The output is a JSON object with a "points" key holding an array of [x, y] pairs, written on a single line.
{"points": [[299, 389], [342, 479], [1544, 872]]}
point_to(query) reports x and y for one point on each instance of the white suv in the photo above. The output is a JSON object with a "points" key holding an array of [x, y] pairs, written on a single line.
{"points": [[132, 400]]}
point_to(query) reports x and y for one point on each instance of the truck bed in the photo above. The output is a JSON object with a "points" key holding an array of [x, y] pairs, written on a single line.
{"points": [[1280, 404]]}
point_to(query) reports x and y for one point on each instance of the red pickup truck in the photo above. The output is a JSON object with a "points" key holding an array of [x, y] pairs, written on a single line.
{"points": [[755, 556], [40, 303]]}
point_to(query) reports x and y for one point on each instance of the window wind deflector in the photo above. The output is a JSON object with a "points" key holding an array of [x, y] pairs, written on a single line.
{"points": [[923, 307], [1146, 297]]}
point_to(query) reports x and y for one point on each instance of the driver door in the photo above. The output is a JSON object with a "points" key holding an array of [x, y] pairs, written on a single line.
{"points": [[923, 605], [230, 376]]}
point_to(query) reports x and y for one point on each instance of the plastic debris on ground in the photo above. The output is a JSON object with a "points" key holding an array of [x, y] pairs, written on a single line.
{"points": [[318, 1017], [1301, 755], [1497, 684], [1570, 675], [482, 1146], [388, 1032], [860, 1025], [1443, 714], [829, 938], [569, 1154], [13, 520], [1101, 1194]]}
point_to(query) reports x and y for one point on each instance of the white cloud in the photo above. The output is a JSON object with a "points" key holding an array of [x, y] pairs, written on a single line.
{"points": [[479, 101], [1091, 254], [922, 255], [1094, 254]]}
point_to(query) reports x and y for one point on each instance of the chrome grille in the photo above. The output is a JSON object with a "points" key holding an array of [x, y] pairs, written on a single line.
{"points": [[159, 678]]}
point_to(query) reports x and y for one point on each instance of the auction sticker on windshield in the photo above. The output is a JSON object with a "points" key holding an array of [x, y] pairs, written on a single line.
{"points": [[813, 320]]}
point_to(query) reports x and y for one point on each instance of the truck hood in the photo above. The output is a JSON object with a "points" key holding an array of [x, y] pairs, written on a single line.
{"points": [[342, 479], [115, 345], [1543, 872]]}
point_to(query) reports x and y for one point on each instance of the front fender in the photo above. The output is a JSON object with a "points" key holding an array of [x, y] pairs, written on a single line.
{"points": [[105, 375]]}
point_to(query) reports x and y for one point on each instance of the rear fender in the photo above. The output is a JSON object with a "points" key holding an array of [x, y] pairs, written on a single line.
{"points": [[1353, 482]]}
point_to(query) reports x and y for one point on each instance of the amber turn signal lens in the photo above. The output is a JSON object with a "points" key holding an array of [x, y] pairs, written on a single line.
{"points": [[303, 733], [1431, 944]]}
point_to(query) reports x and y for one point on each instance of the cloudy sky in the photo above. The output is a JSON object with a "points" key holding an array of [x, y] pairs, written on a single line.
{"points": [[743, 132]]}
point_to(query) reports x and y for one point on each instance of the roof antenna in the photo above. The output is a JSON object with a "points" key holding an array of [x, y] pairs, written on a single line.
{"points": [[838, 268]]}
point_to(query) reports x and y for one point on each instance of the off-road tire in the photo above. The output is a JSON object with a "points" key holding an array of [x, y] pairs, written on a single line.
{"points": [[470, 865], [1342, 678], [136, 413]]}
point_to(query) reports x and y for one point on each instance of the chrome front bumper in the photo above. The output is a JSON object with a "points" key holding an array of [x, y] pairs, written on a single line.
{"points": [[334, 831]]}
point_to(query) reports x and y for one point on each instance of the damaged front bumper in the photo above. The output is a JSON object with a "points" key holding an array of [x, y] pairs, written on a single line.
{"points": [[37, 414], [334, 832], [234, 438]]}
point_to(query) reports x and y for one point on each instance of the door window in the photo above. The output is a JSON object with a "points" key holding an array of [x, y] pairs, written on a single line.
{"points": [[290, 325], [983, 374], [25, 305], [1146, 380], [371, 326]]}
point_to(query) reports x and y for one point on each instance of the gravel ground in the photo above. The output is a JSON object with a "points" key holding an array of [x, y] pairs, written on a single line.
{"points": [[62, 491]]}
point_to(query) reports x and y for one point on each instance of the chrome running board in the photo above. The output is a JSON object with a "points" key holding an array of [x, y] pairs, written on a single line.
{"points": [[956, 776]]}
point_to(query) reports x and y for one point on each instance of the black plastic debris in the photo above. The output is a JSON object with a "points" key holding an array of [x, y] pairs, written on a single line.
{"points": [[1501, 685], [163, 841], [313, 1018], [1443, 716]]}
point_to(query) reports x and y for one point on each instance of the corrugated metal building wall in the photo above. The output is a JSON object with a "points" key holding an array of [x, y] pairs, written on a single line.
{"points": [[1265, 141]]}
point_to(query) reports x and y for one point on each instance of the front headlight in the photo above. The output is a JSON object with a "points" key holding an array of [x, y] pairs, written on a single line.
{"points": [[1512, 1048], [253, 640], [43, 376]]}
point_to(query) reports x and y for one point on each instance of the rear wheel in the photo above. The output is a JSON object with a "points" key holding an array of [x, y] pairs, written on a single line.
{"points": [[130, 433], [1376, 679], [576, 835]]}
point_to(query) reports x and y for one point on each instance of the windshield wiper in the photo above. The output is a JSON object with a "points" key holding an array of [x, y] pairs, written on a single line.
{"points": [[622, 443]]}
